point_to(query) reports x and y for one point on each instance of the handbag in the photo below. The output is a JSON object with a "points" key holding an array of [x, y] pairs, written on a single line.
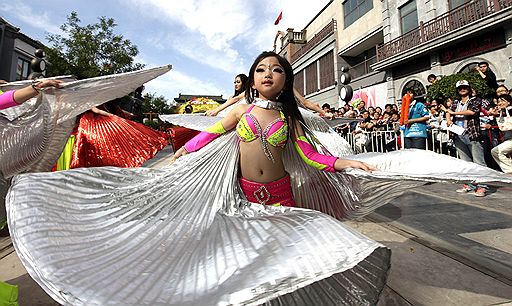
{"points": [[505, 123]]}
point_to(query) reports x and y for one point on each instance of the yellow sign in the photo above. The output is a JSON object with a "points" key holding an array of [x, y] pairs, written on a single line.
{"points": [[199, 105]]}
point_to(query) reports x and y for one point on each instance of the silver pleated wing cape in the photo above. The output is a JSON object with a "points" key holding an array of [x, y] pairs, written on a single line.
{"points": [[185, 235], [318, 128], [33, 134]]}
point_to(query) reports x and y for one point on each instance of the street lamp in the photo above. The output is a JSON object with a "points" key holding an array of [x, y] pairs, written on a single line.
{"points": [[37, 64], [346, 90]]}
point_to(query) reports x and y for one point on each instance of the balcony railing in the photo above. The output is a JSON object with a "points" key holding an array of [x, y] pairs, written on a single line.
{"points": [[293, 37], [362, 68], [326, 31], [450, 21], [297, 36]]}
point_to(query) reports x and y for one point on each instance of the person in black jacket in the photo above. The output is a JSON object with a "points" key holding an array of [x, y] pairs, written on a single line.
{"points": [[487, 74]]}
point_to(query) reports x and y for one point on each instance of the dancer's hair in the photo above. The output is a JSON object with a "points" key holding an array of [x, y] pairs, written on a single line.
{"points": [[243, 79], [290, 108]]}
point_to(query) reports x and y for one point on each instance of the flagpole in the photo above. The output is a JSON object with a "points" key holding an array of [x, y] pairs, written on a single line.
{"points": [[282, 8]]}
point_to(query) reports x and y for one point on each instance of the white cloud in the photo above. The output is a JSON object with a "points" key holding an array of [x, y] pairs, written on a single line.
{"points": [[38, 20], [208, 29], [211, 32], [142, 60], [228, 59], [175, 82], [296, 14], [217, 22]]}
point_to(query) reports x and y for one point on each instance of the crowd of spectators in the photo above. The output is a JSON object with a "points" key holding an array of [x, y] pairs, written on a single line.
{"points": [[471, 127]]}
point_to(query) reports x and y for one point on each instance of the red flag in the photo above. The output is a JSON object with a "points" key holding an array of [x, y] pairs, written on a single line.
{"points": [[279, 18]]}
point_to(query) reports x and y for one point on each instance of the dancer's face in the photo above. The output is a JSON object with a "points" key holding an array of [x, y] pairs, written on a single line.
{"points": [[238, 84], [269, 78]]}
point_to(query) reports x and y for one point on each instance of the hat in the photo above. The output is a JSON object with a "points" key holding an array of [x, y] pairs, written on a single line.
{"points": [[462, 83]]}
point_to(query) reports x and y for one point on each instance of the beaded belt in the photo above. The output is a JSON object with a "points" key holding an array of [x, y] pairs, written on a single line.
{"points": [[274, 193]]}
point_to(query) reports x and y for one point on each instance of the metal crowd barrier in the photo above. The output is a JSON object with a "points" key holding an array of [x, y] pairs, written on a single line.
{"points": [[391, 140]]}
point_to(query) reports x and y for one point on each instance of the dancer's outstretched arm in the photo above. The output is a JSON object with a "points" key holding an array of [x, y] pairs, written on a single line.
{"points": [[205, 137], [229, 102], [98, 111], [322, 162], [15, 97], [308, 104]]}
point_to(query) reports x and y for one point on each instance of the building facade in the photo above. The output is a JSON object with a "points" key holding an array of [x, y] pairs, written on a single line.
{"points": [[391, 45], [443, 37], [342, 34], [16, 52]]}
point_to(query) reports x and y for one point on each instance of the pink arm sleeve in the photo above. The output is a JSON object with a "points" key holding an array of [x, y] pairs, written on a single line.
{"points": [[205, 137], [7, 100], [199, 141], [312, 157]]}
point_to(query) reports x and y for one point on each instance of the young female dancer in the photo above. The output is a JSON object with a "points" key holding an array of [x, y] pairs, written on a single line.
{"points": [[265, 126], [185, 234], [240, 86]]}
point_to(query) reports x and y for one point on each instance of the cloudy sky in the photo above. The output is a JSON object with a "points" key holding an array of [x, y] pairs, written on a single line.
{"points": [[207, 42]]}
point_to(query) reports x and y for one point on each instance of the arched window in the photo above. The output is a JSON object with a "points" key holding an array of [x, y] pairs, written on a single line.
{"points": [[416, 86], [468, 68]]}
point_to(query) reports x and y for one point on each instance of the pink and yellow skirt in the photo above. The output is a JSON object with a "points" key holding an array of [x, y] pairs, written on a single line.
{"points": [[276, 193]]}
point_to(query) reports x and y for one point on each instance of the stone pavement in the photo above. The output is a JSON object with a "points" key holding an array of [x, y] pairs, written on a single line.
{"points": [[447, 248]]}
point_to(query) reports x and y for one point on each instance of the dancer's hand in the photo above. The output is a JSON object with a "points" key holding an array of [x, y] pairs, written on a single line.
{"points": [[212, 112], [48, 83], [178, 154], [342, 164], [24, 94]]}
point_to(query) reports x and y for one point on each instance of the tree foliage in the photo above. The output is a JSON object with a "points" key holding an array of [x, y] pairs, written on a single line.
{"points": [[445, 87], [154, 104], [91, 50], [157, 105]]}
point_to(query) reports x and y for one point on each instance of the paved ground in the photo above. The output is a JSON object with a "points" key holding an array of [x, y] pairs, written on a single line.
{"points": [[447, 248]]}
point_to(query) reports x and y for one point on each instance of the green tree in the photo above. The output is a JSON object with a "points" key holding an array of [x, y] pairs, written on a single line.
{"points": [[90, 51], [445, 87], [154, 104]]}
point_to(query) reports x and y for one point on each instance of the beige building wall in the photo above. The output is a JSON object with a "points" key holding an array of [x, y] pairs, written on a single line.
{"points": [[323, 19], [355, 33], [427, 10], [367, 23]]}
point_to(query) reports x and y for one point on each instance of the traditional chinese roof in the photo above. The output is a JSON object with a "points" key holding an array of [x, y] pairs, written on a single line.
{"points": [[184, 98]]}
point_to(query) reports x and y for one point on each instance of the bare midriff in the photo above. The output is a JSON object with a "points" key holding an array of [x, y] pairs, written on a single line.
{"points": [[256, 167]]}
